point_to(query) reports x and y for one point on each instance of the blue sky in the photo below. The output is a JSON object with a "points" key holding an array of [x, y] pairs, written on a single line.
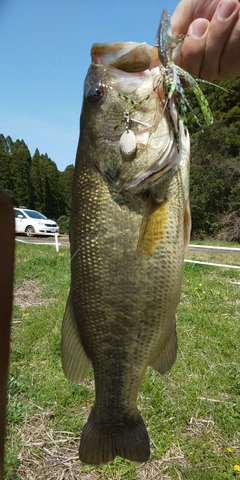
{"points": [[45, 53]]}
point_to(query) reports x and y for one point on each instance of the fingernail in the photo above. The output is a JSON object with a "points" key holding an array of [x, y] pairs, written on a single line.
{"points": [[225, 9], [198, 28]]}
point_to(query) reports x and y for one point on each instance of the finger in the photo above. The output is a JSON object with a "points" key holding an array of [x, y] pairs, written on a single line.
{"points": [[181, 18], [194, 46], [188, 11], [218, 33], [230, 59]]}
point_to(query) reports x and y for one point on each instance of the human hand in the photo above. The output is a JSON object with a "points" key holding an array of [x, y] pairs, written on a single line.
{"points": [[211, 48]]}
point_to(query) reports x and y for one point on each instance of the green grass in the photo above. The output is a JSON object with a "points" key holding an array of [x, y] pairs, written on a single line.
{"points": [[192, 414]]}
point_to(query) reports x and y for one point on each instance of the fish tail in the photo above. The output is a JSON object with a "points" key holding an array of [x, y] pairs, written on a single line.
{"points": [[101, 443]]}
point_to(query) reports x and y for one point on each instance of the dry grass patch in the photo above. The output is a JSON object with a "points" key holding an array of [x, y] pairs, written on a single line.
{"points": [[28, 294], [46, 453], [158, 468]]}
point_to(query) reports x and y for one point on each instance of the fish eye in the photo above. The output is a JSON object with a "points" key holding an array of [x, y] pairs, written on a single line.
{"points": [[95, 93]]}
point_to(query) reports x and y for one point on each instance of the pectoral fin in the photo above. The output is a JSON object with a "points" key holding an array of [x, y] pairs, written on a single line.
{"points": [[75, 362], [153, 227]]}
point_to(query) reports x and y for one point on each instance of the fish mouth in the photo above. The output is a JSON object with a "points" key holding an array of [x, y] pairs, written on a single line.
{"points": [[168, 159], [125, 56], [144, 178]]}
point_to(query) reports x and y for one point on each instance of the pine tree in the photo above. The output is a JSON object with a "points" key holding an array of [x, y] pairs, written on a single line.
{"points": [[49, 175], [5, 170], [37, 197], [65, 184], [6, 143], [5, 163], [20, 173]]}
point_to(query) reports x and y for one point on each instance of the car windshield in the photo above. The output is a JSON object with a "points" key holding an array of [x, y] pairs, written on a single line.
{"points": [[33, 214]]}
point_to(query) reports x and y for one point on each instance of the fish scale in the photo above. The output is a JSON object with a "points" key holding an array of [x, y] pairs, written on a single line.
{"points": [[105, 292], [129, 231]]}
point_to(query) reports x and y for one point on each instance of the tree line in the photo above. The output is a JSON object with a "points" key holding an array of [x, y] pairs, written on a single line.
{"points": [[215, 164], [36, 182]]}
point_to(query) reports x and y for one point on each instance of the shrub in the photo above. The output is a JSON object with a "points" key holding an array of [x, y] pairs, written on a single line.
{"points": [[63, 223]]}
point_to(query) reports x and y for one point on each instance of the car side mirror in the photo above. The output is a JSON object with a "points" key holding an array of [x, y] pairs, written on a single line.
{"points": [[20, 216]]}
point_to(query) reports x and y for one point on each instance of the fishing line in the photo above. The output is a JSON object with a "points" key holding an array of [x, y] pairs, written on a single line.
{"points": [[141, 123]]}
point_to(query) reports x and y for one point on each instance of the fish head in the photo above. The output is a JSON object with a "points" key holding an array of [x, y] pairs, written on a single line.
{"points": [[125, 122]]}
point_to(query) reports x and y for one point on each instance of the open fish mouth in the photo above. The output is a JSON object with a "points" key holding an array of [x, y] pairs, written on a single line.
{"points": [[125, 56]]}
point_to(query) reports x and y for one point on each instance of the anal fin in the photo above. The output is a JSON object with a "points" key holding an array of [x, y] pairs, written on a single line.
{"points": [[75, 362], [164, 359]]}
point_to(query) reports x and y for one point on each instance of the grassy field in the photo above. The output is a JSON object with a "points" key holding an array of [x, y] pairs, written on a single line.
{"points": [[192, 414]]}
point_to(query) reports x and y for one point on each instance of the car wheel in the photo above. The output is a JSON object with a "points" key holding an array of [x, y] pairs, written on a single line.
{"points": [[29, 230]]}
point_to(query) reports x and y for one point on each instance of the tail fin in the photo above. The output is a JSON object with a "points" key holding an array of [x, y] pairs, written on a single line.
{"points": [[102, 443]]}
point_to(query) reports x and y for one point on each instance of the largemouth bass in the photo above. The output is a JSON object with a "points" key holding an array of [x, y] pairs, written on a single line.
{"points": [[130, 226]]}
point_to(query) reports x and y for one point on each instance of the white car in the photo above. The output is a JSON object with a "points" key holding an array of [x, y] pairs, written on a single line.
{"points": [[30, 222]]}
